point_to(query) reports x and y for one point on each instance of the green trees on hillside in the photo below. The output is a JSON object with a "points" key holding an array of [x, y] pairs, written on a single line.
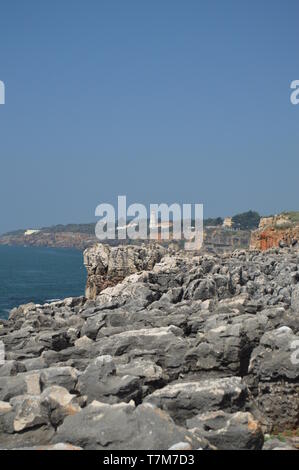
{"points": [[246, 221], [213, 221]]}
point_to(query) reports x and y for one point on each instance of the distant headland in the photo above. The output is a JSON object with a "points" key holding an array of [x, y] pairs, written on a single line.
{"points": [[241, 231]]}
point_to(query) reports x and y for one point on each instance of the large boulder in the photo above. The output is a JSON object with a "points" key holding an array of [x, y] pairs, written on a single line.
{"points": [[49, 408], [29, 412], [23, 383], [164, 345], [226, 431], [225, 341], [274, 379], [183, 400], [123, 426], [63, 376], [100, 381]]}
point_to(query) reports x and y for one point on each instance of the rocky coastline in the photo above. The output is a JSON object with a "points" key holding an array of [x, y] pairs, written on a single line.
{"points": [[216, 239], [76, 240], [167, 350]]}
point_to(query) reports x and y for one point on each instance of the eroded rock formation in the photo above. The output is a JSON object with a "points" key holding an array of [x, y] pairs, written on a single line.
{"points": [[271, 237], [107, 266]]}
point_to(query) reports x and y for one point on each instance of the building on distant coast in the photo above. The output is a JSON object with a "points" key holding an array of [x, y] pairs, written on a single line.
{"points": [[30, 232], [228, 222]]}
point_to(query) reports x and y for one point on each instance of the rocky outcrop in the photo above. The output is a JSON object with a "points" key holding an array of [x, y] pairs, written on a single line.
{"points": [[225, 240], [107, 266], [191, 351], [274, 237]]}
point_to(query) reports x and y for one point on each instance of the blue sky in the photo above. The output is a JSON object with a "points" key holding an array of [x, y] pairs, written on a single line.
{"points": [[159, 100]]}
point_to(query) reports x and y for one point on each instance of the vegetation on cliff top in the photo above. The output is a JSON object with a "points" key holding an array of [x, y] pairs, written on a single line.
{"points": [[246, 221], [293, 216]]}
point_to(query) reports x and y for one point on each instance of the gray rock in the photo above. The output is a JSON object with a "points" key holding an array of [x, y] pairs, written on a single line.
{"points": [[274, 378], [123, 426], [56, 341], [238, 431], [164, 345], [59, 403], [107, 265], [63, 376], [18, 385], [12, 368], [101, 382], [273, 443], [40, 436], [272, 360], [184, 400], [36, 363], [55, 447], [295, 299], [29, 412]]}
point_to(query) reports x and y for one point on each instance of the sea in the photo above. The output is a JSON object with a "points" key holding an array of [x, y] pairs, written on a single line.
{"points": [[38, 274]]}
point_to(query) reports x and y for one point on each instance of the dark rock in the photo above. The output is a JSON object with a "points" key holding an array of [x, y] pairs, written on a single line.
{"points": [[123, 426], [274, 379], [101, 382], [12, 368], [63, 376], [40, 436], [238, 431]]}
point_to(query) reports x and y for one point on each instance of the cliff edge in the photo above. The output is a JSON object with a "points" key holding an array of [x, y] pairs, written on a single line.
{"points": [[107, 266], [277, 231]]}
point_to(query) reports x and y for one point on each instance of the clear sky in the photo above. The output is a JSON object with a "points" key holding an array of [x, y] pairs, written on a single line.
{"points": [[160, 100]]}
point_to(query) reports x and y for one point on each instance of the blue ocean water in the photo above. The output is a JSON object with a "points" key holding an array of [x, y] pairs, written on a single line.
{"points": [[37, 274]]}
